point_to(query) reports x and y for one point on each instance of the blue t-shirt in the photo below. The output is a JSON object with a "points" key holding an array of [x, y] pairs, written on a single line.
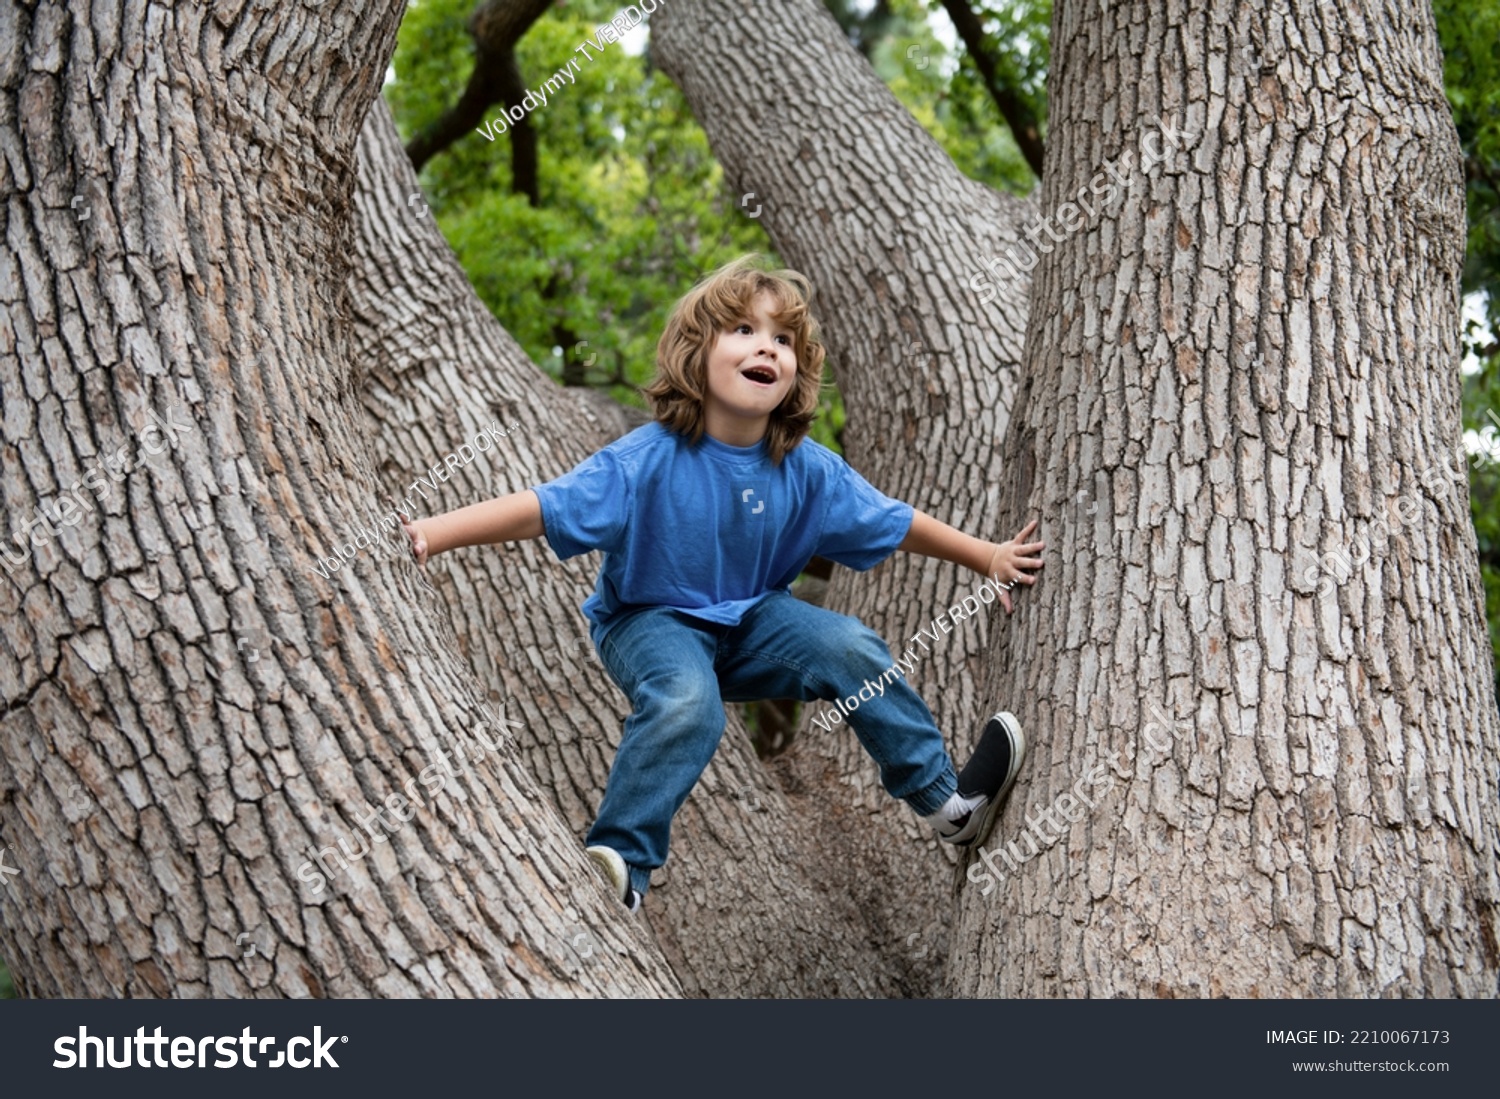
{"points": [[712, 529]]}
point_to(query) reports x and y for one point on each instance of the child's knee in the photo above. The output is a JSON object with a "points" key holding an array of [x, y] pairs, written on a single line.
{"points": [[683, 706], [858, 645], [698, 713]]}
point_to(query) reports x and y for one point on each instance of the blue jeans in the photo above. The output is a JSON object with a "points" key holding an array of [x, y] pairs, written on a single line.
{"points": [[678, 672]]}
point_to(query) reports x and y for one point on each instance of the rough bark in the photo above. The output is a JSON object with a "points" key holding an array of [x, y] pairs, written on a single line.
{"points": [[741, 907], [856, 195], [187, 706], [1247, 363]]}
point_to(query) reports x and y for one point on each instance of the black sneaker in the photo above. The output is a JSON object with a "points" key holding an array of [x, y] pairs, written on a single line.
{"points": [[989, 775], [612, 863]]}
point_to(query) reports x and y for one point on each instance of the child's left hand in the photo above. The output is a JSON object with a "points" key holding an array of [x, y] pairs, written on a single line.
{"points": [[1009, 558], [418, 539]]}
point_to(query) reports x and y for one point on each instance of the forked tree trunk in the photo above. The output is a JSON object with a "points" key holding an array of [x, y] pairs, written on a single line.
{"points": [[1264, 778], [924, 334], [742, 909], [191, 712]]}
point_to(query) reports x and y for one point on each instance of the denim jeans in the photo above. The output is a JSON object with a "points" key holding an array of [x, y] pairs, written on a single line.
{"points": [[678, 672]]}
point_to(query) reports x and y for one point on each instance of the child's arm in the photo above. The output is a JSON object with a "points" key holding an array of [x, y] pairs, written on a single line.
{"points": [[510, 518], [1002, 561]]}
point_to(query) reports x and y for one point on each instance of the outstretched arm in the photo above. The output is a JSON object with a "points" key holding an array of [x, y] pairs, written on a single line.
{"points": [[510, 518], [1002, 561]]}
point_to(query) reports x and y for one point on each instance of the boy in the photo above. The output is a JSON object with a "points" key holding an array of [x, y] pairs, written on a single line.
{"points": [[705, 518]]}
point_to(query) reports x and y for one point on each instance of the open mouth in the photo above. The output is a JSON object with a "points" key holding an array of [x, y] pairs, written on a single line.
{"points": [[762, 375]]}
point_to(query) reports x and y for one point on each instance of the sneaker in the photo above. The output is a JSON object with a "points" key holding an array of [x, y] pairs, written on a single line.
{"points": [[988, 776], [609, 860]]}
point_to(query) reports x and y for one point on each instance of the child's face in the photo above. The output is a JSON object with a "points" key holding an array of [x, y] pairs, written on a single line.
{"points": [[751, 369]]}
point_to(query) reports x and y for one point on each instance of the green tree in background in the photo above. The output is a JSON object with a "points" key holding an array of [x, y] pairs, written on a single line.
{"points": [[1469, 32], [633, 207], [949, 92]]}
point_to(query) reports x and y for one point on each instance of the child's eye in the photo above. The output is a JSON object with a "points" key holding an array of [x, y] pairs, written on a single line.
{"points": [[786, 340], [742, 328]]}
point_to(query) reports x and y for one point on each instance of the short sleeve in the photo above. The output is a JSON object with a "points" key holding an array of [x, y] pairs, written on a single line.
{"points": [[586, 508], [863, 526]]}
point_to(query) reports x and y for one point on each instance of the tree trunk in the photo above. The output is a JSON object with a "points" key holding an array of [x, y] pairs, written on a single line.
{"points": [[857, 196], [1256, 772], [742, 907], [186, 775], [192, 713]]}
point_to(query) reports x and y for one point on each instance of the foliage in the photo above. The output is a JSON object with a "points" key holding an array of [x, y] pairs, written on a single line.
{"points": [[864, 25], [1018, 39], [634, 207], [944, 92], [1468, 30]]}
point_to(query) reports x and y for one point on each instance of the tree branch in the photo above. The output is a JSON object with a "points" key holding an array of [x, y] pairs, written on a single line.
{"points": [[1017, 113], [523, 153], [496, 26]]}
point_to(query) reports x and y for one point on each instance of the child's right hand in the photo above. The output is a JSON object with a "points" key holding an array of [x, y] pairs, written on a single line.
{"points": [[413, 529]]}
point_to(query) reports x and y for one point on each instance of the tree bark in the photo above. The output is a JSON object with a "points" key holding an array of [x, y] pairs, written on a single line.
{"points": [[1268, 774], [857, 196], [189, 708], [742, 907]]}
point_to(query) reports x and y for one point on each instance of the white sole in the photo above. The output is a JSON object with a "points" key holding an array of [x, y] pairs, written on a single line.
{"points": [[608, 860], [1017, 757]]}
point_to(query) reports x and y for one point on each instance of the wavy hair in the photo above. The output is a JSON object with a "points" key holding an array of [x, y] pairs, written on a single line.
{"points": [[716, 305]]}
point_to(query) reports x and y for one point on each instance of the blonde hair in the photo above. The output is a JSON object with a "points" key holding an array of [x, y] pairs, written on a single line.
{"points": [[714, 306]]}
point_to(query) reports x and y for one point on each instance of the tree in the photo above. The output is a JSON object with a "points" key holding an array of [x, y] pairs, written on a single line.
{"points": [[495, 27], [301, 327], [169, 793], [1318, 763], [739, 845], [580, 222], [1267, 774], [1471, 78], [998, 73]]}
